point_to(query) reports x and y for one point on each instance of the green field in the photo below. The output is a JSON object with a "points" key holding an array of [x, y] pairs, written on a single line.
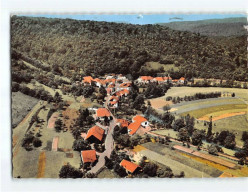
{"points": [[235, 124], [182, 91]]}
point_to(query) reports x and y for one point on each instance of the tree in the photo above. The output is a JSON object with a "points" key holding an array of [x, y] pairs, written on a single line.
{"points": [[166, 108], [108, 163], [178, 124], [229, 142], [150, 169], [58, 125], [189, 124], [183, 135], [138, 102], [197, 137], [37, 142], [120, 170], [244, 136], [213, 150], [57, 97], [90, 120], [209, 136], [81, 144], [68, 171]]}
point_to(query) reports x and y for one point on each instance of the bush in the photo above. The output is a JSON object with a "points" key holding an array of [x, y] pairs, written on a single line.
{"points": [[37, 142], [81, 144], [67, 171], [213, 150]]}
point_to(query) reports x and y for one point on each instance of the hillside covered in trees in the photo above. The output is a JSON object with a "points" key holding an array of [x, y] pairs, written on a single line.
{"points": [[212, 27], [73, 48]]}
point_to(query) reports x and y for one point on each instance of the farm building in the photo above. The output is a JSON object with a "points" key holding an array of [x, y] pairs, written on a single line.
{"points": [[95, 134], [144, 79], [139, 125], [101, 113], [129, 166], [87, 80], [122, 123], [88, 156]]}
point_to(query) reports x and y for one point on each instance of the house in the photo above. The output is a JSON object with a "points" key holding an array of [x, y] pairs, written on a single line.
{"points": [[158, 79], [95, 134], [99, 82], [122, 123], [88, 156], [168, 79], [113, 98], [139, 125], [181, 80], [101, 113], [125, 86], [123, 92], [113, 101], [113, 104], [87, 80], [144, 79], [129, 166]]}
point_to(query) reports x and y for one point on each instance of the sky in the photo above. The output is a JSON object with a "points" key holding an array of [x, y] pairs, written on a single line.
{"points": [[145, 19]]}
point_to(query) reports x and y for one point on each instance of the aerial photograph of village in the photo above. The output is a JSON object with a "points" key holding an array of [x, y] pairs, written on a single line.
{"points": [[129, 96]]}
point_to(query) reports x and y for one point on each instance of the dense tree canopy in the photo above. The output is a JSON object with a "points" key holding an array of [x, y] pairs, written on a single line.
{"points": [[69, 46]]}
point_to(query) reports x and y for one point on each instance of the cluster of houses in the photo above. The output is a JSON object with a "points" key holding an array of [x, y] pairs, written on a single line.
{"points": [[97, 134], [117, 87], [160, 80]]}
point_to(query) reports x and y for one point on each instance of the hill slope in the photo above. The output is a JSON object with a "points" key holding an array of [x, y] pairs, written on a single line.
{"points": [[213, 27], [74, 47]]}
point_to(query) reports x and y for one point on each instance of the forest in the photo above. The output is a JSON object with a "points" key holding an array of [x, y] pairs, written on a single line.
{"points": [[74, 48]]}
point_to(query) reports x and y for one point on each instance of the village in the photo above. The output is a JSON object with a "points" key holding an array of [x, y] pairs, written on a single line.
{"points": [[118, 88], [125, 128]]}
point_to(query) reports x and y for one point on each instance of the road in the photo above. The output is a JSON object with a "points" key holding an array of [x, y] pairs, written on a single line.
{"points": [[109, 142]]}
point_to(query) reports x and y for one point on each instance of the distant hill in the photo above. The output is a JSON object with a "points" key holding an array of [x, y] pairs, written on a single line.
{"points": [[74, 48], [212, 27]]}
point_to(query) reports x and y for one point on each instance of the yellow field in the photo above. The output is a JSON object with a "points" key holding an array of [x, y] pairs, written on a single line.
{"points": [[242, 172], [215, 111]]}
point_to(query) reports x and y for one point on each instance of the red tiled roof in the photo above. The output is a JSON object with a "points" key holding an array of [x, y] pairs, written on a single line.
{"points": [[95, 131], [129, 166], [146, 78], [88, 156], [126, 91], [167, 78], [139, 118], [134, 127], [101, 112], [123, 122], [111, 86], [136, 124], [159, 79], [125, 85], [113, 98], [88, 79], [182, 78], [113, 102]]}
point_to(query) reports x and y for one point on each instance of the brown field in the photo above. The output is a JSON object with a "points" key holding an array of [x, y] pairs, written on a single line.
{"points": [[41, 165], [227, 115], [72, 114]]}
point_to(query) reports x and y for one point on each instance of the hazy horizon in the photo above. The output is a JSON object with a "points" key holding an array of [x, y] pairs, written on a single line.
{"points": [[142, 19]]}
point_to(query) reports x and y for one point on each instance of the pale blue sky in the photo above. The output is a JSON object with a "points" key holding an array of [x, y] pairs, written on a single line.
{"points": [[145, 19]]}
